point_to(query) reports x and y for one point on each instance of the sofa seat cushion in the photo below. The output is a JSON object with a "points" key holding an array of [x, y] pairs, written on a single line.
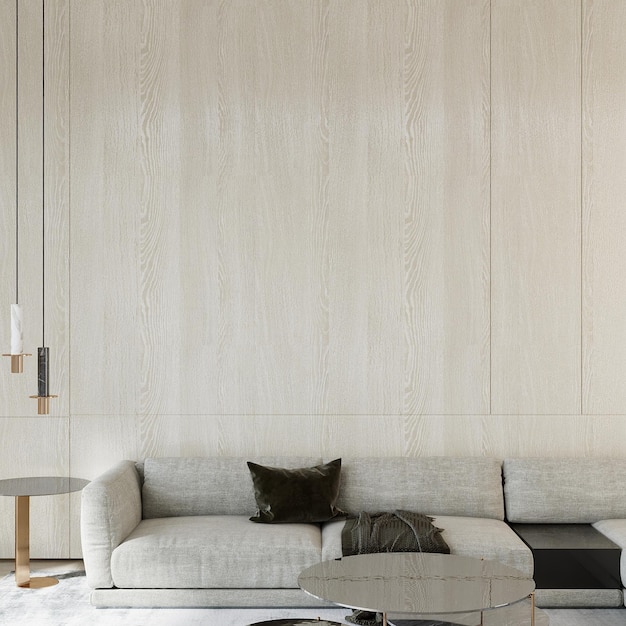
{"points": [[615, 530], [214, 551], [488, 539], [466, 536]]}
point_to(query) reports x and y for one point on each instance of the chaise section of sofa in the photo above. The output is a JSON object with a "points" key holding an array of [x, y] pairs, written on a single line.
{"points": [[176, 531], [571, 491]]}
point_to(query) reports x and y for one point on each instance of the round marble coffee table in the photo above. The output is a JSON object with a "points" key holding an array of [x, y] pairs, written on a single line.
{"points": [[418, 584]]}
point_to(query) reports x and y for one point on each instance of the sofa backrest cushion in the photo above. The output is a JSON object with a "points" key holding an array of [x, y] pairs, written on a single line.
{"points": [[464, 486], [566, 490], [182, 486]]}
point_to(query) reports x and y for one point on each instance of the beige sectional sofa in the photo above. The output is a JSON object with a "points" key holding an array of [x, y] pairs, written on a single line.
{"points": [[176, 531]]}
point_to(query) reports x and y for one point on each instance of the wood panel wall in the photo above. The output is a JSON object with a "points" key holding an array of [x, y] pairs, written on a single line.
{"points": [[323, 227]]}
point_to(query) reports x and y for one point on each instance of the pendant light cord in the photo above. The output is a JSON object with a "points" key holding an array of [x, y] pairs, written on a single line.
{"points": [[17, 152], [43, 173]]}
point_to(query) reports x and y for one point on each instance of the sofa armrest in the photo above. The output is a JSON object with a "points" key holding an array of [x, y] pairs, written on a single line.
{"points": [[110, 510]]}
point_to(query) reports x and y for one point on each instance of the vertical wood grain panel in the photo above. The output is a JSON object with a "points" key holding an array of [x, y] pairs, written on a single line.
{"points": [[158, 260], [197, 245], [446, 213], [57, 149], [283, 303], [106, 196], [385, 197], [236, 197], [604, 218], [536, 206], [320, 204], [348, 294], [365, 187], [7, 197]]}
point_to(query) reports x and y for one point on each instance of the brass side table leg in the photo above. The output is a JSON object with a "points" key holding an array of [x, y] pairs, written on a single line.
{"points": [[22, 544], [532, 609], [22, 548]]}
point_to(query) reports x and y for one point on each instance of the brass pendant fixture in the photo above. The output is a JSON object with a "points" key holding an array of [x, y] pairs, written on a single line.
{"points": [[43, 393]]}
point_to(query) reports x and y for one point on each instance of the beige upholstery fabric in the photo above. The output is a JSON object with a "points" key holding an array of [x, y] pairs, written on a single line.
{"points": [[110, 510], [583, 598], [331, 540], [486, 538], [223, 551], [564, 491], [615, 530], [181, 486], [467, 536], [469, 486]]}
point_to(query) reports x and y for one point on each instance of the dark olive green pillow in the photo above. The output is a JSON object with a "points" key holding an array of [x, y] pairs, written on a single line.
{"points": [[306, 494]]}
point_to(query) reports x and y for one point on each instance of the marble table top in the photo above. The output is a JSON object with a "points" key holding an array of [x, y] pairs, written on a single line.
{"points": [[411, 582], [40, 485]]}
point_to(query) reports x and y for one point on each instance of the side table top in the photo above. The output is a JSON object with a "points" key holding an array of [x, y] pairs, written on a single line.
{"points": [[416, 583], [564, 537], [41, 485]]}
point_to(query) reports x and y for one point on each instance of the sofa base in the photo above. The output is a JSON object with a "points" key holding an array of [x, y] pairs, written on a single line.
{"points": [[204, 598], [296, 598], [579, 598]]}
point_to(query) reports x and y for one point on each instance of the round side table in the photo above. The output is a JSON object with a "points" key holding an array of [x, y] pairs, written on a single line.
{"points": [[22, 489]]}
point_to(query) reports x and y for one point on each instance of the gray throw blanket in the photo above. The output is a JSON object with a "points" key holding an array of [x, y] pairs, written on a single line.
{"points": [[399, 531]]}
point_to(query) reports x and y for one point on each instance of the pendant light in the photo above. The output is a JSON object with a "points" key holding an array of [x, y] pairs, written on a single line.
{"points": [[17, 339], [43, 393]]}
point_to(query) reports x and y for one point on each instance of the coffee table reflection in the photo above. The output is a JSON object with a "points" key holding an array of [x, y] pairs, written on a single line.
{"points": [[417, 583]]}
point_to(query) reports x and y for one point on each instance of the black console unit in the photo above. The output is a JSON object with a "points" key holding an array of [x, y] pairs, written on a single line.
{"points": [[571, 556]]}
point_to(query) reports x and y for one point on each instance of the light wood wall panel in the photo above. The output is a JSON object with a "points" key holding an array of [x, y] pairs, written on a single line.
{"points": [[56, 243], [236, 217], [604, 218], [158, 243], [535, 164], [446, 214], [320, 227], [106, 196], [278, 353], [198, 213], [365, 183], [7, 195]]}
